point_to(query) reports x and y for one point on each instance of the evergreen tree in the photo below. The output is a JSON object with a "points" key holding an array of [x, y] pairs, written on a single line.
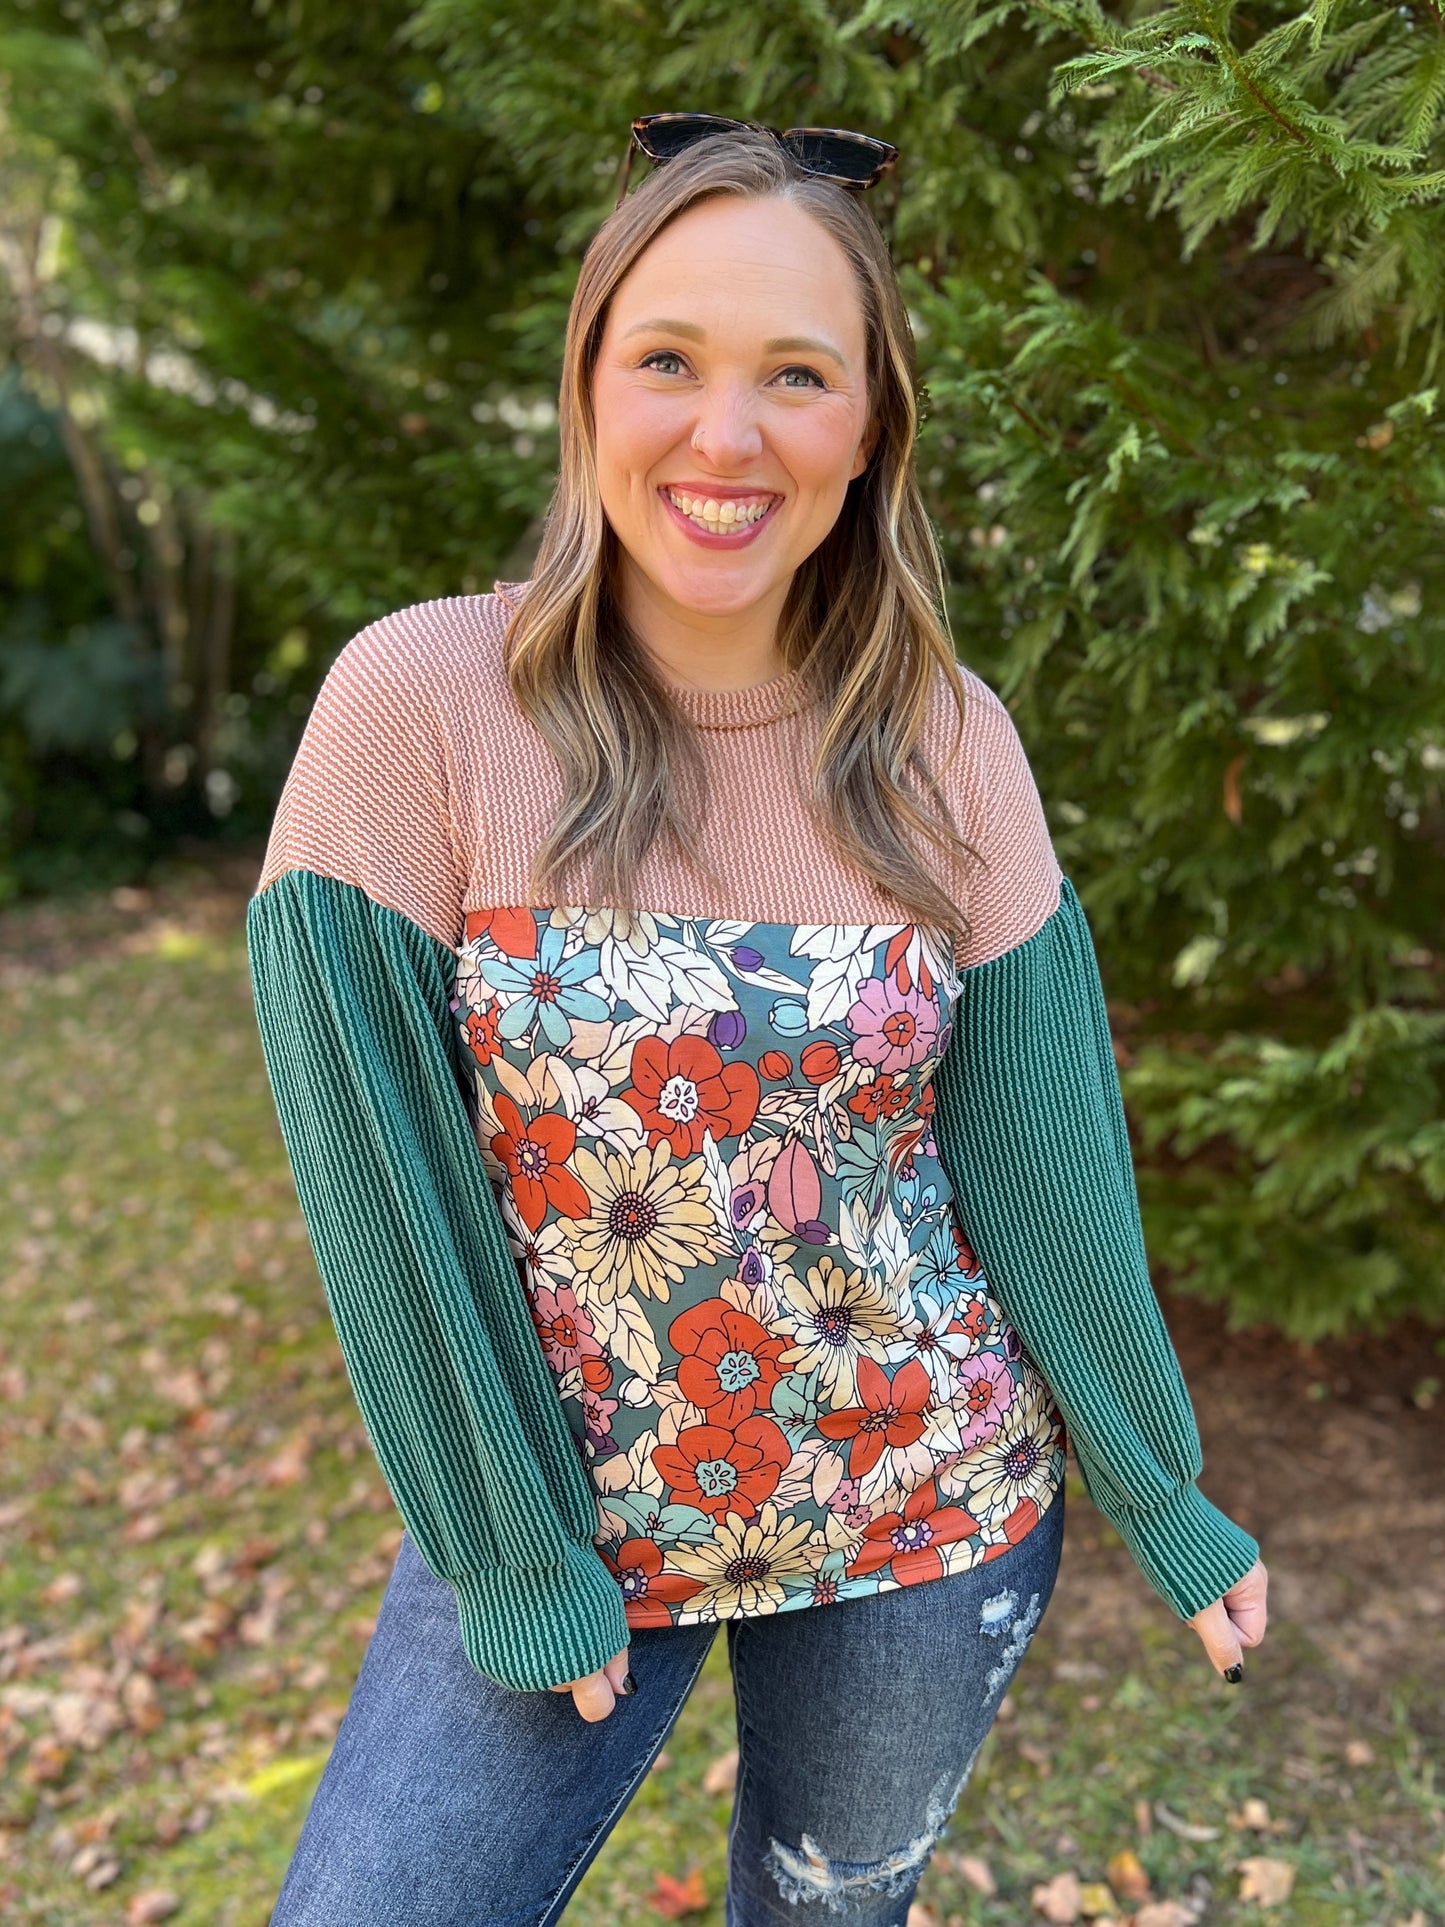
{"points": [[1178, 277]]}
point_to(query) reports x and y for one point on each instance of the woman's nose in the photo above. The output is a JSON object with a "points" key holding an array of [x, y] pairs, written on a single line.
{"points": [[727, 432]]}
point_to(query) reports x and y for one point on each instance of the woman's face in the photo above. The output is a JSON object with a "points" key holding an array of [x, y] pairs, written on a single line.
{"points": [[731, 404]]}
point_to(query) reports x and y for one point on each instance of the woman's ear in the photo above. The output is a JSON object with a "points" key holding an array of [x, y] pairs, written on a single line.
{"points": [[864, 454]]}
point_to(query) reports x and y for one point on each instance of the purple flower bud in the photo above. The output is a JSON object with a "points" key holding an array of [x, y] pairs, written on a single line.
{"points": [[727, 1030], [747, 1201], [750, 1271], [746, 958], [814, 1232]]}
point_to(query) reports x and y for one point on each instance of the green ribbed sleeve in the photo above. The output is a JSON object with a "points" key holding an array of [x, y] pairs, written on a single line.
{"points": [[353, 1003], [1030, 1127]]}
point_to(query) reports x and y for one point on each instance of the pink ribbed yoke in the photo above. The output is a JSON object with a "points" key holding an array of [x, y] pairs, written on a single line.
{"points": [[420, 781]]}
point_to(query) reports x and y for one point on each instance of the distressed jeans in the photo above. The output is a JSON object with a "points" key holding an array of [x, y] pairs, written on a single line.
{"points": [[449, 1801]]}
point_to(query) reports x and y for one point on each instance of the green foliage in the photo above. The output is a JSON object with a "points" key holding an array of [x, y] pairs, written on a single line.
{"points": [[1178, 276]]}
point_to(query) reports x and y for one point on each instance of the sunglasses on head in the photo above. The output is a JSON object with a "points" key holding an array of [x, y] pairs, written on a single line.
{"points": [[834, 153]]}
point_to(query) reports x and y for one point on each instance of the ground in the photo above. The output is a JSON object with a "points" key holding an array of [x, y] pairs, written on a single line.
{"points": [[194, 1538]]}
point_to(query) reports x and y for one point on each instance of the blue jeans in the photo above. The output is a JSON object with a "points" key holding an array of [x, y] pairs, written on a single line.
{"points": [[449, 1801]]}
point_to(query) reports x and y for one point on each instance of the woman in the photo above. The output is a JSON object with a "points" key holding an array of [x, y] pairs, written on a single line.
{"points": [[699, 1088]]}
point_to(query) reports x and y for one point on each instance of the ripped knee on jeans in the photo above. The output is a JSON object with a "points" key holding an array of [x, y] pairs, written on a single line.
{"points": [[1003, 1614], [806, 1873]]}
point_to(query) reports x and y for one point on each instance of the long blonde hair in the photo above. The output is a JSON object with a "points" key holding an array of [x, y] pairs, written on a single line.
{"points": [[863, 621]]}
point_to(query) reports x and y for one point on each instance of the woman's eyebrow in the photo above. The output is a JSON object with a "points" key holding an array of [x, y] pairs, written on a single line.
{"points": [[688, 328], [803, 344], [780, 345]]}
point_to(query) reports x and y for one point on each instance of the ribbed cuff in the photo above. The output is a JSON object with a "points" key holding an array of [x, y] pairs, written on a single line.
{"points": [[1190, 1552], [531, 1627]]}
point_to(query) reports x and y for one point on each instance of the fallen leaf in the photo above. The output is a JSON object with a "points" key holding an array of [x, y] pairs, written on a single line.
{"points": [[1253, 1817], [1095, 1900], [288, 1465], [1058, 1899], [46, 1763], [674, 1898], [921, 1916], [977, 1873], [96, 1864], [1359, 1753], [1165, 1913], [1265, 1880], [142, 1703], [152, 1903], [661, 1763], [1127, 1877], [1185, 1829], [1417, 1919], [66, 1585], [722, 1773], [1036, 1756]]}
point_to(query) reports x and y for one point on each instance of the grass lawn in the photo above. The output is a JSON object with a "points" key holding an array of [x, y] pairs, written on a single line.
{"points": [[194, 1539]]}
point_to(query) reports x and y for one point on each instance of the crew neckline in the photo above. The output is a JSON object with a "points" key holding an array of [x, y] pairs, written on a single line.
{"points": [[751, 707], [747, 708]]}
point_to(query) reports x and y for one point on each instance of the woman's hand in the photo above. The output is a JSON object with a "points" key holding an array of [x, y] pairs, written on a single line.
{"points": [[596, 1695], [1235, 1621]]}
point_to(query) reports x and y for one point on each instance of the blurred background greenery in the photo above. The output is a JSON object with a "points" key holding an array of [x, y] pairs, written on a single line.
{"points": [[282, 287]]}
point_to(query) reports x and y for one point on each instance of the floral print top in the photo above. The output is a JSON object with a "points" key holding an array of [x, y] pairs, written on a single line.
{"points": [[776, 1350]]}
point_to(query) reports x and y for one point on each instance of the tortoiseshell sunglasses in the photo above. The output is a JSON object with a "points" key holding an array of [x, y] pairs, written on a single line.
{"points": [[852, 160]]}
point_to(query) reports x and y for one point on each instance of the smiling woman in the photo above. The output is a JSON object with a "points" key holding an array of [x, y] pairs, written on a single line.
{"points": [[705, 421], [698, 1082]]}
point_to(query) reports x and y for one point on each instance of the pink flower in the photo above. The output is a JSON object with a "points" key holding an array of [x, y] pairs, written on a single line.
{"points": [[845, 1504], [987, 1388], [564, 1328], [891, 1028]]}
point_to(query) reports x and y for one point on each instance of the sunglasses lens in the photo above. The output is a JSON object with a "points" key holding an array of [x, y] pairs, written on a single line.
{"points": [[665, 136], [842, 157]]}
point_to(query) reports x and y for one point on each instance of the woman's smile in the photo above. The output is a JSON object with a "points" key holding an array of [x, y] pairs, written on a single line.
{"points": [[720, 518]]}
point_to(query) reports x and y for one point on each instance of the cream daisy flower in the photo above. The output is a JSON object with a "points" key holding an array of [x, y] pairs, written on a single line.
{"points": [[743, 1565], [1021, 1460], [651, 1220], [836, 1317]]}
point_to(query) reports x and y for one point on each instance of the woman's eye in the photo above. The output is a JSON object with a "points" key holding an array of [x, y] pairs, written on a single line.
{"points": [[658, 357], [801, 378]]}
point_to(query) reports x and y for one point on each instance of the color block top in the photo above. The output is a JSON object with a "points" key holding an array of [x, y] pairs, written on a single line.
{"points": [[724, 1259], [420, 781]]}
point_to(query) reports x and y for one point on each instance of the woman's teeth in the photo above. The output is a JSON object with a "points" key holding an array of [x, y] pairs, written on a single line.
{"points": [[718, 516]]}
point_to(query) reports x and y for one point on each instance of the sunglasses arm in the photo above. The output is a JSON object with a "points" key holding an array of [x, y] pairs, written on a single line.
{"points": [[625, 175]]}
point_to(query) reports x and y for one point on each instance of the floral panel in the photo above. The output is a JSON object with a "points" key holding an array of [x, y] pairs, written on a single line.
{"points": [[775, 1347]]}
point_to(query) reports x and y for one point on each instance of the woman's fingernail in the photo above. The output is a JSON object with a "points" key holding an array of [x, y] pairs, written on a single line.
{"points": [[1234, 1674], [629, 1684]]}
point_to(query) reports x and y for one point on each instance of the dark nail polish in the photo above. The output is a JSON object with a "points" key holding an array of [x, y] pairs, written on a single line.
{"points": [[629, 1684], [1234, 1674]]}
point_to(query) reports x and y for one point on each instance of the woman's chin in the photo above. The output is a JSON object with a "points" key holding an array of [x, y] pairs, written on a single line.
{"points": [[716, 589]]}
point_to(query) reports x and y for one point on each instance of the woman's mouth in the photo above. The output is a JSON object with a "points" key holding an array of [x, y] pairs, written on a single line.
{"points": [[720, 521]]}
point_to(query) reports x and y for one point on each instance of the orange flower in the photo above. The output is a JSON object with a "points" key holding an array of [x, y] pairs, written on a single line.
{"points": [[912, 1538], [730, 1362], [513, 931], [891, 1413], [720, 1471], [820, 1061], [646, 1589], [482, 1033], [878, 1098], [684, 1092], [535, 1159]]}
